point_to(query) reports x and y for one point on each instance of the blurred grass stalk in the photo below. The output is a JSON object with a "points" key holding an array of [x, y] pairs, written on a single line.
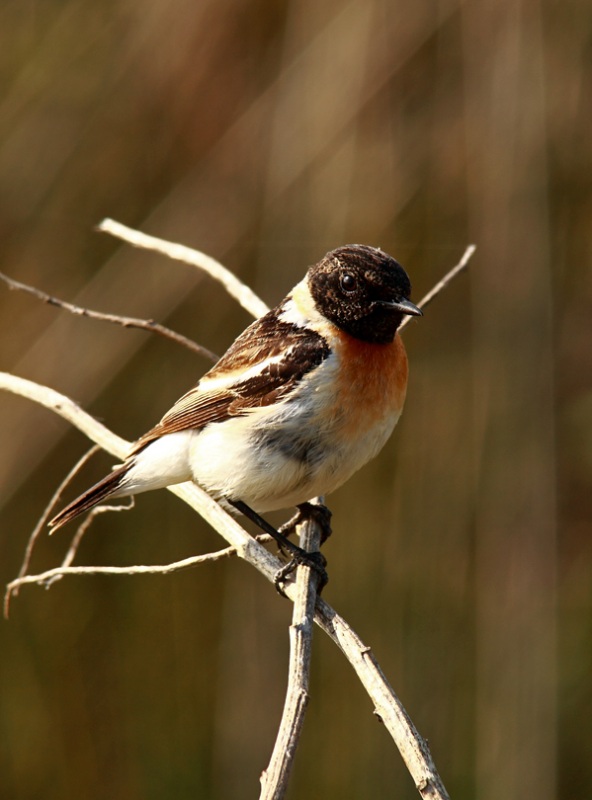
{"points": [[515, 462]]}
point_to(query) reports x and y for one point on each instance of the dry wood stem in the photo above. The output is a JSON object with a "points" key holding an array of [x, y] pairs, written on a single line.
{"points": [[126, 322], [245, 296], [274, 780]]}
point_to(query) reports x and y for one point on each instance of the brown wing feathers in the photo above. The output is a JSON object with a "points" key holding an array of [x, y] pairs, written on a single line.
{"points": [[91, 497], [302, 350]]}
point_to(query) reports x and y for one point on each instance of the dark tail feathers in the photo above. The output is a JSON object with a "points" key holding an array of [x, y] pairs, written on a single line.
{"points": [[100, 491]]}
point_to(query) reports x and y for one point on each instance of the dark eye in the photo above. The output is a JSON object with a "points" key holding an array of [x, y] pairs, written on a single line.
{"points": [[347, 282]]}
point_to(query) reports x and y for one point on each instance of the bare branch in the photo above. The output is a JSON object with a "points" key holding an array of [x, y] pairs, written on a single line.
{"points": [[126, 322], [46, 514], [387, 706], [67, 409], [88, 520], [51, 575], [412, 747], [274, 780], [235, 288], [453, 273]]}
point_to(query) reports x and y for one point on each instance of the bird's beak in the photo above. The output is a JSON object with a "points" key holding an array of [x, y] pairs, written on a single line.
{"points": [[404, 306], [407, 307]]}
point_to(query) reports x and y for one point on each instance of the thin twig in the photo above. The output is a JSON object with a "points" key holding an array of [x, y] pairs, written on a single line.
{"points": [[245, 296], [442, 284], [412, 747], [46, 514], [85, 525], [48, 577], [126, 322], [274, 780], [387, 706]]}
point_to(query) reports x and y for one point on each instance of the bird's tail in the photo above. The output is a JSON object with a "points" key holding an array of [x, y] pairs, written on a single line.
{"points": [[100, 491]]}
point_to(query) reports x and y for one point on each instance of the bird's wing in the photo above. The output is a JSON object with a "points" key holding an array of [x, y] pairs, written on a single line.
{"points": [[260, 368]]}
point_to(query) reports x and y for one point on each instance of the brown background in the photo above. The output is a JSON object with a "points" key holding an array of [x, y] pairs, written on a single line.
{"points": [[266, 133]]}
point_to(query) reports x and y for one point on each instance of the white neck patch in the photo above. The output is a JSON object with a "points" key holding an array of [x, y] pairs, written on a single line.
{"points": [[300, 308]]}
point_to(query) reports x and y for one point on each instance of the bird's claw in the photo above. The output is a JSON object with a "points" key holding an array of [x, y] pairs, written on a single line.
{"points": [[319, 513], [316, 561]]}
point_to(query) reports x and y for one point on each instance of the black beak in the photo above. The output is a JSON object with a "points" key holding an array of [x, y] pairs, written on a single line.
{"points": [[404, 306], [407, 307]]}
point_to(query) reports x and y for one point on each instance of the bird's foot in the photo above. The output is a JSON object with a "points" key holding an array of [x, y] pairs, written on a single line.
{"points": [[316, 561]]}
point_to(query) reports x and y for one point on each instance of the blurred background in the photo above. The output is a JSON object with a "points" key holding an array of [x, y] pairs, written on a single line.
{"points": [[266, 133]]}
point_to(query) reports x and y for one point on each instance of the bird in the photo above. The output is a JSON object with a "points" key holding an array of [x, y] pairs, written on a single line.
{"points": [[302, 399]]}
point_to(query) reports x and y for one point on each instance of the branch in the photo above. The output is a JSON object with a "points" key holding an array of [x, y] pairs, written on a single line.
{"points": [[274, 780], [235, 288], [45, 516], [84, 526], [387, 706], [442, 284], [51, 575], [412, 747], [126, 322]]}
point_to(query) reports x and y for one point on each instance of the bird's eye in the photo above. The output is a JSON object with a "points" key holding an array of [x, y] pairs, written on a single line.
{"points": [[347, 282]]}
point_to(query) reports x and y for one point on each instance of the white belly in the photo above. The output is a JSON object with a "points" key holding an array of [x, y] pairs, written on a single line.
{"points": [[280, 461]]}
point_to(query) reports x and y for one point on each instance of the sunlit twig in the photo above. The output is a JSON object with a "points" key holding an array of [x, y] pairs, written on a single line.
{"points": [[274, 780], [442, 284], [116, 319], [244, 295]]}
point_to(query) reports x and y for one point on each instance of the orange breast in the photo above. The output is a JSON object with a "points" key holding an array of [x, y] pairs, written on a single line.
{"points": [[373, 382]]}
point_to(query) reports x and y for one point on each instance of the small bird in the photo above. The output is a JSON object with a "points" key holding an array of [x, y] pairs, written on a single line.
{"points": [[305, 396]]}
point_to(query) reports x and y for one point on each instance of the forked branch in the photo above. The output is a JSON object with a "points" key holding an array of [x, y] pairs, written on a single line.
{"points": [[302, 591]]}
